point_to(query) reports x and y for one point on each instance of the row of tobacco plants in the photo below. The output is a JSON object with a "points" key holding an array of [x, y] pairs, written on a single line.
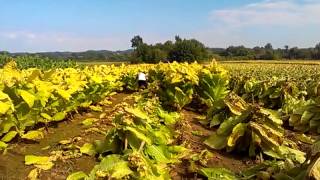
{"points": [[251, 117]]}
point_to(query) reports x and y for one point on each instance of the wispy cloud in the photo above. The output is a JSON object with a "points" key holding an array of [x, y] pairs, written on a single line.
{"points": [[279, 22], [270, 12]]}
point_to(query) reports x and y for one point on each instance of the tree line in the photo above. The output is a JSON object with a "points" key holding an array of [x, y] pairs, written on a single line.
{"points": [[266, 53], [182, 50], [193, 50]]}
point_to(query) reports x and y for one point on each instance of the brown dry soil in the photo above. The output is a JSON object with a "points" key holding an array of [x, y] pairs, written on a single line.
{"points": [[12, 163]]}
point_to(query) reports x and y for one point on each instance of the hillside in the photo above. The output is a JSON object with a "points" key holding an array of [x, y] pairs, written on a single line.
{"points": [[97, 55]]}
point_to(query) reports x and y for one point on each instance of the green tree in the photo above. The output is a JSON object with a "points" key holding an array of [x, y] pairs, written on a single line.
{"points": [[188, 50], [136, 41], [268, 46], [317, 51]]}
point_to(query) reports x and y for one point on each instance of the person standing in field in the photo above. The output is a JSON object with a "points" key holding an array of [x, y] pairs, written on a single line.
{"points": [[142, 80]]}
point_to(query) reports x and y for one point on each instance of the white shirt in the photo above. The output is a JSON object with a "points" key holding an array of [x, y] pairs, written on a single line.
{"points": [[142, 77]]}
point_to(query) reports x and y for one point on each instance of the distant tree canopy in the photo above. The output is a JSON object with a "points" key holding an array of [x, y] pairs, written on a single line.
{"points": [[266, 53], [181, 50], [91, 55]]}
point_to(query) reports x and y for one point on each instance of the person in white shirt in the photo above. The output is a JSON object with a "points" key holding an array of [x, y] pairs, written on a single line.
{"points": [[142, 80]]}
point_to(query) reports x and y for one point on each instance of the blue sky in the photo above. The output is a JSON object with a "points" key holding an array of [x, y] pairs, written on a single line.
{"points": [[77, 25]]}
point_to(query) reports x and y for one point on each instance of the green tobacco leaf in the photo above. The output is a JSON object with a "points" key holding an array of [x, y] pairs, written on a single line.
{"points": [[295, 155], [306, 116], [216, 141], [112, 166], [226, 127], [80, 175], [59, 116], [9, 136], [216, 120], [181, 98], [3, 145], [140, 135], [273, 115], [27, 97], [158, 153], [238, 131], [33, 135], [42, 162], [46, 116], [137, 113], [179, 151], [218, 174], [304, 138], [169, 118], [88, 148], [5, 126], [89, 121], [105, 146], [252, 171], [284, 152]]}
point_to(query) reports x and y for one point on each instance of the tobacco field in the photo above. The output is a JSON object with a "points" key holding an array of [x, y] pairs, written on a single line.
{"points": [[193, 121]]}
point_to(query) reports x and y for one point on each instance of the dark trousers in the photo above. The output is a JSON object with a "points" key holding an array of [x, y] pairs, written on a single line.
{"points": [[142, 84]]}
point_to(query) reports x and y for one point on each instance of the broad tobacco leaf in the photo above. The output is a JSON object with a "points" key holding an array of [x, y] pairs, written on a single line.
{"points": [[27, 97], [111, 166], [33, 135], [80, 175], [88, 149], [9, 136], [237, 132], [218, 173], [42, 162]]}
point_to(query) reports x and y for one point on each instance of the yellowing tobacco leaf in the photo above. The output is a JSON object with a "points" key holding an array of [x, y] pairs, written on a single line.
{"points": [[33, 135], [27, 97]]}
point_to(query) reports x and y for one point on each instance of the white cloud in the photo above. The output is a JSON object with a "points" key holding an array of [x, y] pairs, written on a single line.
{"points": [[279, 22], [270, 12]]}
